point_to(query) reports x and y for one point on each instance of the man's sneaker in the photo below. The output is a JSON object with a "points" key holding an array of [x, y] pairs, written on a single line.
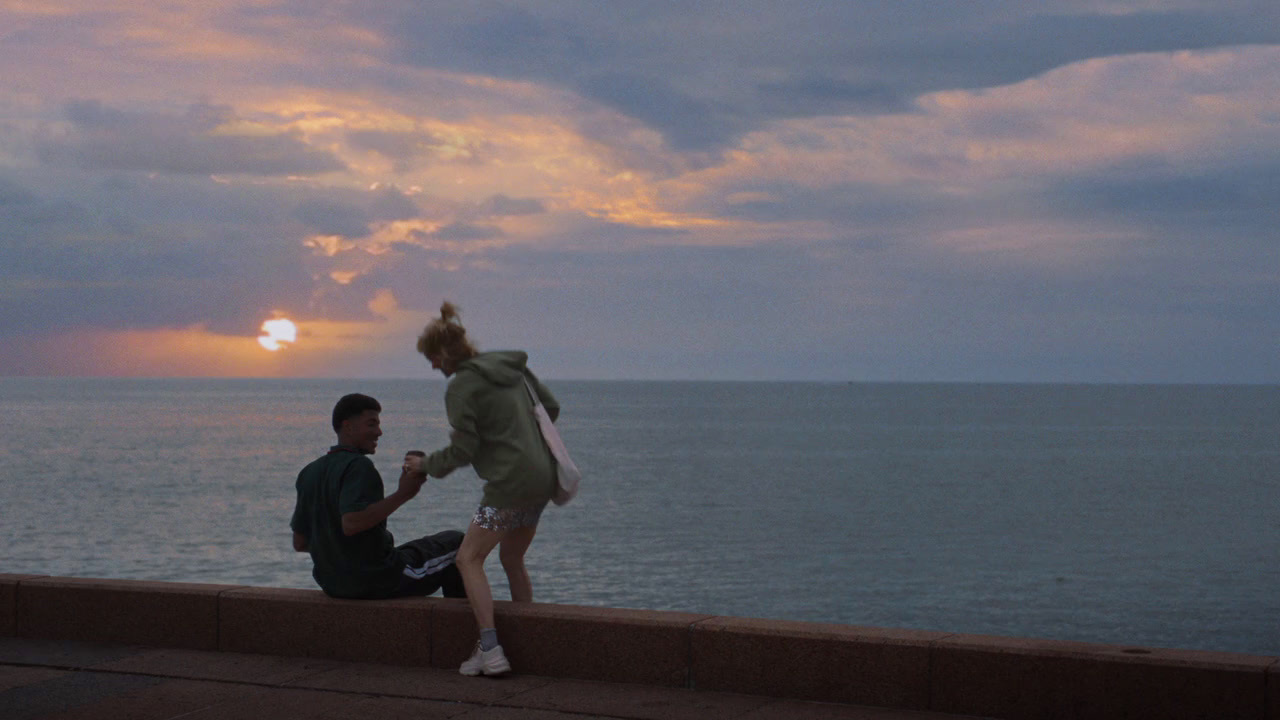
{"points": [[488, 662]]}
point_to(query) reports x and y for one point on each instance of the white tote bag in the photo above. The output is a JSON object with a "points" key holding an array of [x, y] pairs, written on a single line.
{"points": [[567, 473]]}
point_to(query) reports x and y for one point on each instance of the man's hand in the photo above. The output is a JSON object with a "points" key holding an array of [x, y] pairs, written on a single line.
{"points": [[411, 483]]}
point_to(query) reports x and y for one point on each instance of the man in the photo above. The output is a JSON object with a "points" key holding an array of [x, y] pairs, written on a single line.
{"points": [[341, 519]]}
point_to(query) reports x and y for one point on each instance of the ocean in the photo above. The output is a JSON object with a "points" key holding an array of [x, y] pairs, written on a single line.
{"points": [[1132, 514]]}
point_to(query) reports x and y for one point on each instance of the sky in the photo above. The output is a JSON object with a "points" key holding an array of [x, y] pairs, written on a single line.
{"points": [[850, 190]]}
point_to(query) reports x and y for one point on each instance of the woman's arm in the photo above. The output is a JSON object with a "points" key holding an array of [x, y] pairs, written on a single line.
{"points": [[464, 439]]}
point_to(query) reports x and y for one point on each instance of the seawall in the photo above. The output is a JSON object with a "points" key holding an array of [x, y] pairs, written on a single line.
{"points": [[979, 675]]}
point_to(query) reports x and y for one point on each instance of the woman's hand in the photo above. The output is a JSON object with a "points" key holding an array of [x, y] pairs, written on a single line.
{"points": [[414, 462]]}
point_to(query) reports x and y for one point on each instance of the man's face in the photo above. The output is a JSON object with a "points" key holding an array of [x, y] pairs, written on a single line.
{"points": [[362, 431]]}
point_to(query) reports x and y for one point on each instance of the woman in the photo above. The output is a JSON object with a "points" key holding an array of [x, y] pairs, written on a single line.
{"points": [[494, 431]]}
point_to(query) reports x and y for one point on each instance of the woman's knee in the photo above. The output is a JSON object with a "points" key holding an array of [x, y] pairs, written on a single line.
{"points": [[511, 560], [515, 545], [472, 554], [466, 560]]}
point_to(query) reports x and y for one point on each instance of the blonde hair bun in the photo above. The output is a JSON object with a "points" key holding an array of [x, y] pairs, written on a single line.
{"points": [[445, 336]]}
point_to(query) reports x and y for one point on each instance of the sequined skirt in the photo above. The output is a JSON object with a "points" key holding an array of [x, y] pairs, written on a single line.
{"points": [[499, 519]]}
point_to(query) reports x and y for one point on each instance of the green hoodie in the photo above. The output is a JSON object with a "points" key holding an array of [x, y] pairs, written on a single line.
{"points": [[494, 430]]}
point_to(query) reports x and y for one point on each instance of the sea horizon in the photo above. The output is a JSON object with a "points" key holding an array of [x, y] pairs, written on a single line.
{"points": [[807, 381], [1128, 513]]}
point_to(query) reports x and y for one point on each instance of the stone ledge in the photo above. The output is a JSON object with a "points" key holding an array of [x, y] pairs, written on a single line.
{"points": [[988, 676], [813, 661], [9, 602], [1273, 691], [587, 643], [120, 611], [307, 623], [1031, 678]]}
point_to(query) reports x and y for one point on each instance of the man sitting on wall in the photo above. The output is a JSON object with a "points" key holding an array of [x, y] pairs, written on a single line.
{"points": [[341, 519]]}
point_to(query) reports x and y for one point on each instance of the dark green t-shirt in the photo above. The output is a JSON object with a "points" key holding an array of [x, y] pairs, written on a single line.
{"points": [[363, 565]]}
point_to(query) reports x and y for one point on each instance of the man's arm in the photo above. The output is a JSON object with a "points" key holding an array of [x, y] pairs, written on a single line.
{"points": [[298, 523], [361, 520]]}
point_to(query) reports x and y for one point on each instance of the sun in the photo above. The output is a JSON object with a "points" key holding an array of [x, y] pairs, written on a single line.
{"points": [[277, 332]]}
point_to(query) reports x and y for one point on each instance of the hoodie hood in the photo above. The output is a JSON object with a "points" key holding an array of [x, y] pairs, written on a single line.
{"points": [[501, 367]]}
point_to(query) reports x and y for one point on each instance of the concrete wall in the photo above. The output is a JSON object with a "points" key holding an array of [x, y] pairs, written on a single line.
{"points": [[988, 676]]}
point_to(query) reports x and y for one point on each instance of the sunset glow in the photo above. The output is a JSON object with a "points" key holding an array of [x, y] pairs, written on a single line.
{"points": [[648, 193], [277, 333]]}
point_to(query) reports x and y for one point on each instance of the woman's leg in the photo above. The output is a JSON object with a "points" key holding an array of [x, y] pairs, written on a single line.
{"points": [[511, 552], [476, 546]]}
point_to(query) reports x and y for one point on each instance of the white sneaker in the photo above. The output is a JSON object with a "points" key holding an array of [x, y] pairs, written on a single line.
{"points": [[488, 662]]}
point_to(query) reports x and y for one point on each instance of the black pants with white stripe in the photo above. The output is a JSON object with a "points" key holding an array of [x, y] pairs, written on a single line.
{"points": [[429, 566]]}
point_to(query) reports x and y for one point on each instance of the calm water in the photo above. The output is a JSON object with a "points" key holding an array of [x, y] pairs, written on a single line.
{"points": [[1130, 514]]}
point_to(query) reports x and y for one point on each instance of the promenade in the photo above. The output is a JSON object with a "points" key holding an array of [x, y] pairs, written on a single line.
{"points": [[69, 679], [87, 648]]}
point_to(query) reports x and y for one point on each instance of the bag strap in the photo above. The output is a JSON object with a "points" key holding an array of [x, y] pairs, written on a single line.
{"points": [[533, 394]]}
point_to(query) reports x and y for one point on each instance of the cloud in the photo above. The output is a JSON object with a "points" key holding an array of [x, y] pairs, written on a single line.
{"points": [[400, 147], [503, 206], [688, 122], [462, 232], [333, 218], [145, 252], [205, 140], [819, 94], [884, 189], [1204, 198], [1159, 113], [344, 212], [703, 77]]}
